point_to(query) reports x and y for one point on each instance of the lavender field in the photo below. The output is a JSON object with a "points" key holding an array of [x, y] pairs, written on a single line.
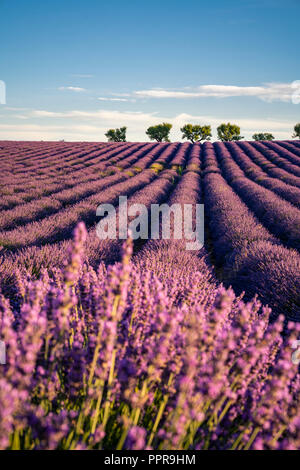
{"points": [[142, 344]]}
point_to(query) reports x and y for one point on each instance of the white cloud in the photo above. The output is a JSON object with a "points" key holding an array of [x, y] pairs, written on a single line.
{"points": [[92, 125], [112, 99], [72, 88], [21, 116], [267, 92], [135, 117]]}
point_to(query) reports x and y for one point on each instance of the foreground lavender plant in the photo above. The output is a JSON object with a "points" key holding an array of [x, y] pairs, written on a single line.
{"points": [[116, 359]]}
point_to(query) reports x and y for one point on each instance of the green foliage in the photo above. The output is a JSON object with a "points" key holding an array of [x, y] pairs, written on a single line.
{"points": [[160, 133], [263, 136], [196, 133], [297, 131], [116, 135], [228, 132]]}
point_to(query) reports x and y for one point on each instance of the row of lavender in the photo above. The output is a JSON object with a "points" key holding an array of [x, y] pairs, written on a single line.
{"points": [[96, 165], [44, 241], [58, 175], [248, 255], [145, 354], [249, 246], [82, 184], [82, 201]]}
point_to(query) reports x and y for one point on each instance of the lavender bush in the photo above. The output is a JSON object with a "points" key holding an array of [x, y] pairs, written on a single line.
{"points": [[139, 346], [114, 359]]}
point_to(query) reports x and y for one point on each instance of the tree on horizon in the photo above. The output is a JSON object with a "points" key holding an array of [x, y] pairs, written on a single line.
{"points": [[196, 133], [229, 132], [160, 132], [116, 135], [297, 131], [263, 136]]}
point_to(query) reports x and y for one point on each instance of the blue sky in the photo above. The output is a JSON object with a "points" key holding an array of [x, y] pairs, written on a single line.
{"points": [[73, 69]]}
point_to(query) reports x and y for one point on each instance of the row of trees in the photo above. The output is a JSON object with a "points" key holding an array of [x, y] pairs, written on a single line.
{"points": [[194, 133]]}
